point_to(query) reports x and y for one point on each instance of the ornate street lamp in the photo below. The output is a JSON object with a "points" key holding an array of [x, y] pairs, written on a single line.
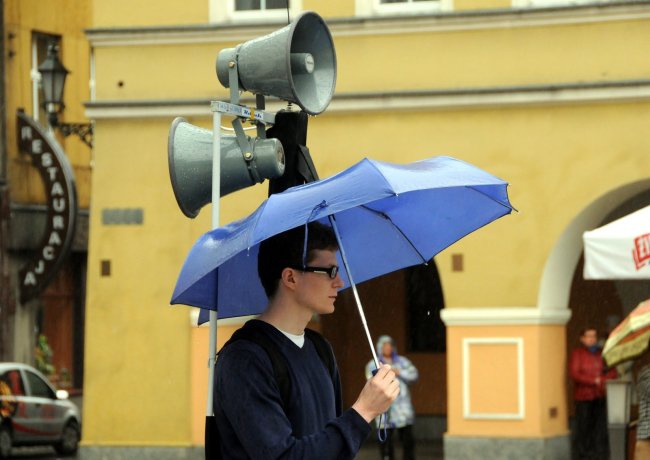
{"points": [[53, 75]]}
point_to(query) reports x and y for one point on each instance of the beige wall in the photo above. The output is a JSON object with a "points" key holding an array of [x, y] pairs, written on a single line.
{"points": [[147, 13], [22, 17]]}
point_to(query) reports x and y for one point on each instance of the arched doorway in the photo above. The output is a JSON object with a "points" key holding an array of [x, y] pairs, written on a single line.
{"points": [[595, 303], [603, 303]]}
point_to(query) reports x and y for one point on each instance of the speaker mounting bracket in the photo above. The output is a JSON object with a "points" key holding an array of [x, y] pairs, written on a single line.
{"points": [[233, 81], [247, 150]]}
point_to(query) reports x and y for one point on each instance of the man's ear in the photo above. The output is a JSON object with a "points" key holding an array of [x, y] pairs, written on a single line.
{"points": [[288, 278]]}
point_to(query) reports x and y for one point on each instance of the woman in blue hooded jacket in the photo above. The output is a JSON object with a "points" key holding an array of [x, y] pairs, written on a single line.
{"points": [[401, 415]]}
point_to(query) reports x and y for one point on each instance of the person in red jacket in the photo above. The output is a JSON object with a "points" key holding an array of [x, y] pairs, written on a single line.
{"points": [[589, 374]]}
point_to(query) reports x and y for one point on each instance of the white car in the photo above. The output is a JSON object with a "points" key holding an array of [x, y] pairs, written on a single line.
{"points": [[32, 412]]}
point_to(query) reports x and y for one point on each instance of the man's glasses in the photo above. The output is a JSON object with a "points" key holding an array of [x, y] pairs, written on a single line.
{"points": [[330, 271]]}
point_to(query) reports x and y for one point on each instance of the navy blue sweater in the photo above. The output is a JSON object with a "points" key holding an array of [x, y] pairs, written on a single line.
{"points": [[248, 406]]}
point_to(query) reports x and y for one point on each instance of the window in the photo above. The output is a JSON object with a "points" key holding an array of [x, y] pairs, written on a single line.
{"points": [[38, 387], [548, 3], [253, 10], [401, 7], [11, 383], [248, 5]]}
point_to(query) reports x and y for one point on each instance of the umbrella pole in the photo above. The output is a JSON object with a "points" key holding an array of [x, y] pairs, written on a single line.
{"points": [[354, 290]]}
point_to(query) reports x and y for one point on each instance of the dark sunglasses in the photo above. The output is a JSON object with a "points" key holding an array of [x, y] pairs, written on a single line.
{"points": [[330, 271]]}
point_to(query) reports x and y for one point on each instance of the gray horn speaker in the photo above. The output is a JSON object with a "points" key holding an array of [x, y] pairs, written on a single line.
{"points": [[190, 164], [296, 63]]}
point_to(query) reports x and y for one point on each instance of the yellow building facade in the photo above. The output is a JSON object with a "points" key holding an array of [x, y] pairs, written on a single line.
{"points": [[56, 310], [551, 96]]}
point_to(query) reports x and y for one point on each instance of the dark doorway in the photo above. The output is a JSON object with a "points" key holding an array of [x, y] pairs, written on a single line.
{"points": [[405, 305], [62, 321]]}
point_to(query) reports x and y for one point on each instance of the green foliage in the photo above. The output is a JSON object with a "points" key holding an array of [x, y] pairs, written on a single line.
{"points": [[43, 354]]}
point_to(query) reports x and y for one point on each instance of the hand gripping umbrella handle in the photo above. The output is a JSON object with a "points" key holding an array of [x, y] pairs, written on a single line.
{"points": [[354, 289]]}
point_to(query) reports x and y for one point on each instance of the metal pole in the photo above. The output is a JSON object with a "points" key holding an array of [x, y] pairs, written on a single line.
{"points": [[354, 290], [216, 192]]}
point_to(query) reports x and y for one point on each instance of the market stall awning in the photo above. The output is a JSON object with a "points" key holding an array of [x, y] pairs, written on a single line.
{"points": [[619, 250]]}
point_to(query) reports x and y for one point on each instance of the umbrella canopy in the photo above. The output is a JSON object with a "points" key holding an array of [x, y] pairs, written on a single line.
{"points": [[630, 338], [388, 216], [620, 249]]}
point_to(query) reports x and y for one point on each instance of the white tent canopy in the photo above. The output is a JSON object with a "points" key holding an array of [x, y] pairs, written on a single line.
{"points": [[620, 249]]}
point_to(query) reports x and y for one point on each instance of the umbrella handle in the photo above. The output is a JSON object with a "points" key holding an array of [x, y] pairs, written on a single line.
{"points": [[382, 432], [332, 220]]}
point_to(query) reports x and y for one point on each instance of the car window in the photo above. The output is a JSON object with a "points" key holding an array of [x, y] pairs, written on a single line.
{"points": [[11, 383], [38, 386]]}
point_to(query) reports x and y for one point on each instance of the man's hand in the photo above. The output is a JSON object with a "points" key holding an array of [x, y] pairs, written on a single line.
{"points": [[378, 394]]}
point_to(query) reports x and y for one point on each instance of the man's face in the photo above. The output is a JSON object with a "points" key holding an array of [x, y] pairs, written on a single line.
{"points": [[589, 338], [317, 291]]}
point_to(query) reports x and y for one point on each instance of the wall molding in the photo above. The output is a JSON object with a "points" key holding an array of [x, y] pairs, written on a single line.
{"points": [[505, 316], [435, 99], [506, 18], [521, 400]]}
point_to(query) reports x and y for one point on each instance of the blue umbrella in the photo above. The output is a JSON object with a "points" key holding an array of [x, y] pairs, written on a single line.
{"points": [[386, 216]]}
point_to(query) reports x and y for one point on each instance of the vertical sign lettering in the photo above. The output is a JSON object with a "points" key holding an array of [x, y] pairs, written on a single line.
{"points": [[58, 177]]}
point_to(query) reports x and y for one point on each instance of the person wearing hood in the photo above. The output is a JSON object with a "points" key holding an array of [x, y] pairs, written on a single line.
{"points": [[401, 416], [589, 375]]}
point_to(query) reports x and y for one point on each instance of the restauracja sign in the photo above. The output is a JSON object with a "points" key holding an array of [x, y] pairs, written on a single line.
{"points": [[58, 178]]}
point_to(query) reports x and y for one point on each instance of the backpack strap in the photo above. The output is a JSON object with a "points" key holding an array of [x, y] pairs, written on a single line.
{"points": [[324, 350], [253, 334]]}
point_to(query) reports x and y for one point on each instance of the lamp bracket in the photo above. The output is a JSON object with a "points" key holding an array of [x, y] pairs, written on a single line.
{"points": [[83, 130]]}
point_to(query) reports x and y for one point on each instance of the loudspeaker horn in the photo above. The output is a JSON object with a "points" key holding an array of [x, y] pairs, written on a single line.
{"points": [[296, 63], [190, 164]]}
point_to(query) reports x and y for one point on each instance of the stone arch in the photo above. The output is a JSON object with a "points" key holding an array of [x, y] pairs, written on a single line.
{"points": [[555, 285]]}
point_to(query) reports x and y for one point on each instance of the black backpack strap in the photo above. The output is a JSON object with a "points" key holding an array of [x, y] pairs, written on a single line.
{"points": [[254, 334], [324, 350]]}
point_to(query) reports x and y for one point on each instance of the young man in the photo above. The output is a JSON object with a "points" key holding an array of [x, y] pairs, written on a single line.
{"points": [[252, 417], [589, 375]]}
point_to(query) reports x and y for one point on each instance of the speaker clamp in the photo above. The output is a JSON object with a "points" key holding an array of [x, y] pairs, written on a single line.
{"points": [[247, 151]]}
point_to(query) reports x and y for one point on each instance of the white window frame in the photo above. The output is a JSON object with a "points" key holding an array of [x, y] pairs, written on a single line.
{"points": [[223, 11], [550, 3], [376, 8]]}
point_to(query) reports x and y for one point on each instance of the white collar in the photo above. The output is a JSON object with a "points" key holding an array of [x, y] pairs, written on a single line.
{"points": [[299, 340]]}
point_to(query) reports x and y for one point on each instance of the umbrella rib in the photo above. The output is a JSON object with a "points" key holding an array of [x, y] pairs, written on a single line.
{"points": [[387, 217], [508, 206]]}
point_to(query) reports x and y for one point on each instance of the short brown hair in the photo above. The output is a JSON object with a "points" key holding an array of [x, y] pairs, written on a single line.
{"points": [[285, 250]]}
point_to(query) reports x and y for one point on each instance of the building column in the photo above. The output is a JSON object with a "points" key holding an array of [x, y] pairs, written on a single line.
{"points": [[506, 383]]}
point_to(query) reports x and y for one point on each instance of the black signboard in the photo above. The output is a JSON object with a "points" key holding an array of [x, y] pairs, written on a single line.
{"points": [[58, 177]]}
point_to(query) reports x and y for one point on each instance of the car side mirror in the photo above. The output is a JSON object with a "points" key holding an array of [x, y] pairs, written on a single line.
{"points": [[62, 394]]}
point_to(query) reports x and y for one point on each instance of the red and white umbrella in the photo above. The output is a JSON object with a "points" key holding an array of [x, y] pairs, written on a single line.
{"points": [[619, 250], [630, 338]]}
